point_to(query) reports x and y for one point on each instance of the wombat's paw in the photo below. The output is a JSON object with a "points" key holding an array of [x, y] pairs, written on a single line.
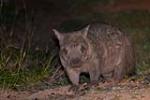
{"points": [[77, 90], [94, 83], [90, 85], [74, 88], [108, 83]]}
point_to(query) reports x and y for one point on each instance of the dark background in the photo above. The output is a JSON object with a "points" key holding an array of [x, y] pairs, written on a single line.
{"points": [[39, 17]]}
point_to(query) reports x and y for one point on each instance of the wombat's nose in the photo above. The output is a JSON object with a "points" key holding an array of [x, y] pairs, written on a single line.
{"points": [[75, 61]]}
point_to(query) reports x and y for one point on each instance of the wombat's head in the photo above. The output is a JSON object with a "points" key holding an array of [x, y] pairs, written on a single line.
{"points": [[74, 47]]}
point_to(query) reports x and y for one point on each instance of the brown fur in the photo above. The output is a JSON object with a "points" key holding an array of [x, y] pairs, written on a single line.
{"points": [[99, 49]]}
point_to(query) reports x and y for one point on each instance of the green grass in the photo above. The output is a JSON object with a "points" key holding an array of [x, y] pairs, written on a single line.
{"points": [[24, 68]]}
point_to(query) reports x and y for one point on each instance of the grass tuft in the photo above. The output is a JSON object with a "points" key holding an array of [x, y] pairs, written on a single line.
{"points": [[20, 69]]}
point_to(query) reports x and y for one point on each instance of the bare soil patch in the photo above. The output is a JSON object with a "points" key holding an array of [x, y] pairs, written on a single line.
{"points": [[122, 91]]}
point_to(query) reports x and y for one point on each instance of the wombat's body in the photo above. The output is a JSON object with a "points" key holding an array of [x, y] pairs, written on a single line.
{"points": [[98, 49]]}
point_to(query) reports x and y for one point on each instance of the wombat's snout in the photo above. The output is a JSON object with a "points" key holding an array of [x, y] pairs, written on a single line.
{"points": [[75, 61]]}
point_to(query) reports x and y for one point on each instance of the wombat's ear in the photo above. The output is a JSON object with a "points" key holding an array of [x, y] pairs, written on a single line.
{"points": [[85, 31], [58, 34]]}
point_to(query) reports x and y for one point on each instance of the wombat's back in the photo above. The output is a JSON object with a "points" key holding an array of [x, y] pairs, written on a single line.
{"points": [[104, 32], [114, 50]]}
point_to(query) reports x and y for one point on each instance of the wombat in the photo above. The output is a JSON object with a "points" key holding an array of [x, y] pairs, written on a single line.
{"points": [[98, 49]]}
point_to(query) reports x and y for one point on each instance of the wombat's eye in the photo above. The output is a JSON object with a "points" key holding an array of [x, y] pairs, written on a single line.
{"points": [[82, 49], [64, 51]]}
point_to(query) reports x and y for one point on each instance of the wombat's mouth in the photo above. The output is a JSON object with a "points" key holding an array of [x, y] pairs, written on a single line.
{"points": [[76, 65]]}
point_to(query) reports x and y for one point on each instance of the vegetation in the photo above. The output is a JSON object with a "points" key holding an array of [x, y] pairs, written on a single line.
{"points": [[21, 65]]}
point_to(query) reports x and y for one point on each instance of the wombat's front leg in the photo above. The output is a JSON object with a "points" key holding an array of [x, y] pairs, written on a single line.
{"points": [[73, 76], [94, 76], [119, 73]]}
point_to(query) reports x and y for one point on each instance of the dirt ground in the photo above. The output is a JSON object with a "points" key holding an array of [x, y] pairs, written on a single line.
{"points": [[122, 91]]}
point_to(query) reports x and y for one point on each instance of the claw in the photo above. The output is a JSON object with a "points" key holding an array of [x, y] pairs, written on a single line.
{"points": [[74, 88], [77, 90]]}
